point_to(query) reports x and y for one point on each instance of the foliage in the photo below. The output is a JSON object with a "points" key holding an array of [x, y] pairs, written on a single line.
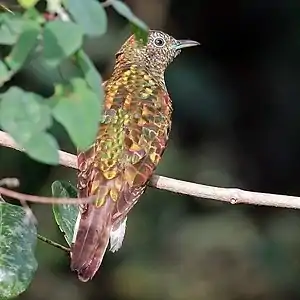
{"points": [[17, 244], [78, 99], [65, 214], [55, 36]]}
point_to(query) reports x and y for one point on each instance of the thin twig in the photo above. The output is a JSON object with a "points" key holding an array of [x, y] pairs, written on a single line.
{"points": [[6, 9], [65, 159], [13, 183], [54, 244], [44, 200], [55, 7], [106, 3], [229, 195], [10, 182], [63, 15], [30, 217], [1, 199]]}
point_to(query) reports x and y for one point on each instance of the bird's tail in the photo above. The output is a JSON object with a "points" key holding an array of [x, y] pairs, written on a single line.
{"points": [[91, 238]]}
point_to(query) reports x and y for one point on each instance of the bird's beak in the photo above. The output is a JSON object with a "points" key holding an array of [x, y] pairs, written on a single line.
{"points": [[186, 43]]}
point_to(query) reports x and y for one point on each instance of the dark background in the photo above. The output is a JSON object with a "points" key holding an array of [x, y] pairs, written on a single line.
{"points": [[236, 124]]}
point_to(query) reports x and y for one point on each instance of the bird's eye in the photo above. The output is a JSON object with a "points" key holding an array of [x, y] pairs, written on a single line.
{"points": [[159, 42]]}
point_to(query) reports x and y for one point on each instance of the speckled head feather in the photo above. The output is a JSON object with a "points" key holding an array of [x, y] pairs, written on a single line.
{"points": [[156, 55]]}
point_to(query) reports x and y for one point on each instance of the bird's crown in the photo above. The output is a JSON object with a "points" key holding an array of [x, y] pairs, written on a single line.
{"points": [[156, 55]]}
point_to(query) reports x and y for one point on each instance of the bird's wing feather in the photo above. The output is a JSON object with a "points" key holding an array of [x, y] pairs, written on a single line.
{"points": [[100, 174], [146, 135], [130, 142]]}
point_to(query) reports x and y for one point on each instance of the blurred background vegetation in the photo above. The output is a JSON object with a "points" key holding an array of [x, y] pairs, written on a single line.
{"points": [[236, 124]]}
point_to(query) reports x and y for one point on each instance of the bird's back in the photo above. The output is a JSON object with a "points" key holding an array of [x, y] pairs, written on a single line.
{"points": [[131, 139]]}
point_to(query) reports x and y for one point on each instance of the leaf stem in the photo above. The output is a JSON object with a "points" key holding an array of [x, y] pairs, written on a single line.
{"points": [[54, 244]]}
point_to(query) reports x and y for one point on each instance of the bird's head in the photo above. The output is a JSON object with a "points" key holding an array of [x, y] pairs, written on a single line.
{"points": [[156, 55]]}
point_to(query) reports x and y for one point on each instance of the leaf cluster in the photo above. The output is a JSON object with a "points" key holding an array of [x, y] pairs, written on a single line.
{"points": [[27, 117], [76, 104]]}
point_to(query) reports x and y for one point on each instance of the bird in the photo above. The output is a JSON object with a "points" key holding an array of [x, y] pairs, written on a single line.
{"points": [[132, 136]]}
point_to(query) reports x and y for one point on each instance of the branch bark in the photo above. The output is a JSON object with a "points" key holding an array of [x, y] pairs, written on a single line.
{"points": [[229, 195]]}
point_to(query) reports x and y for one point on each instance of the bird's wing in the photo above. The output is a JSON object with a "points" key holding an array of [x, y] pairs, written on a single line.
{"points": [[146, 135], [100, 174]]}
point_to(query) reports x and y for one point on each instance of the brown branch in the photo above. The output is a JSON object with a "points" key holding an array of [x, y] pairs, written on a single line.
{"points": [[44, 200], [229, 195]]}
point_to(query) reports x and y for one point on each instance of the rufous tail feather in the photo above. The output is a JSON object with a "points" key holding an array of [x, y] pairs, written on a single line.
{"points": [[92, 238]]}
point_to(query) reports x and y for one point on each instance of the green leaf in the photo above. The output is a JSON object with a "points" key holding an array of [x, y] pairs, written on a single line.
{"points": [[61, 39], [7, 38], [25, 117], [28, 3], [140, 28], [11, 25], [69, 69], [91, 74], [65, 214], [25, 44], [78, 109], [5, 74], [18, 237], [89, 14], [140, 34], [34, 15], [42, 147], [24, 112], [82, 66]]}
